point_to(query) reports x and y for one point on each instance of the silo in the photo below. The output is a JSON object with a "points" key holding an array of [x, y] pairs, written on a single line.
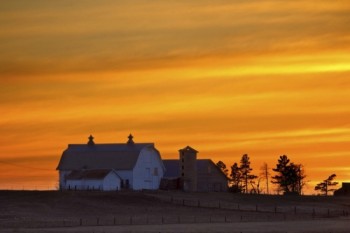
{"points": [[188, 168]]}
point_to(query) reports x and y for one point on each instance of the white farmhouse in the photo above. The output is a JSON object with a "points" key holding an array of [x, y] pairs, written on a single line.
{"points": [[110, 166]]}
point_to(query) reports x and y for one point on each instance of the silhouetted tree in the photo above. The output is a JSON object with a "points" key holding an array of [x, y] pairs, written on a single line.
{"points": [[255, 185], [265, 174], [290, 177], [236, 179], [245, 171], [222, 167], [325, 186]]}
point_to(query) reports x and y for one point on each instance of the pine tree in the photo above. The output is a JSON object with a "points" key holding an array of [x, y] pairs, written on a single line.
{"points": [[325, 186], [222, 166], [290, 177], [236, 178], [245, 171]]}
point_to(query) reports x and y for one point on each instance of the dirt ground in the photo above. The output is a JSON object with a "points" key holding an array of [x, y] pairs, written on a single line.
{"points": [[317, 226], [53, 211]]}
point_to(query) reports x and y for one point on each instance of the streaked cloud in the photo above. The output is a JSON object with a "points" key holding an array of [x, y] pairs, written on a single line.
{"points": [[260, 77]]}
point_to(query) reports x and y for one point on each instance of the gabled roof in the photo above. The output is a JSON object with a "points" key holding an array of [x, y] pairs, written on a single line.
{"points": [[96, 174], [121, 156], [188, 148], [172, 167]]}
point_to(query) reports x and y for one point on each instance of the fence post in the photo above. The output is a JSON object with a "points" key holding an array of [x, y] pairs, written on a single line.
{"points": [[130, 220], [199, 203], [225, 218], [183, 202], [81, 222], [295, 210], [256, 208], [98, 221], [313, 212], [275, 209], [328, 213], [219, 205], [162, 220], [114, 220]]}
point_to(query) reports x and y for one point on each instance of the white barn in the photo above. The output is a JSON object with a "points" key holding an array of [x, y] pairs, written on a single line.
{"points": [[113, 166]]}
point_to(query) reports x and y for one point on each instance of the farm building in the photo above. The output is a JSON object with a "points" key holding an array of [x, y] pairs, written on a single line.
{"points": [[98, 179], [192, 174], [344, 190], [110, 166]]}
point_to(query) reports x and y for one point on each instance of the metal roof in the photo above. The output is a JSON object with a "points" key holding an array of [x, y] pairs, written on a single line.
{"points": [[172, 167], [95, 174], [101, 156], [188, 148]]}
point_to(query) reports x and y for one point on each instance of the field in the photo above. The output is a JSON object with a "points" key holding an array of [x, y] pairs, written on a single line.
{"points": [[53, 211]]}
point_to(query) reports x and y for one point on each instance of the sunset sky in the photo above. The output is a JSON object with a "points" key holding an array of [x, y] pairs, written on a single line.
{"points": [[227, 77]]}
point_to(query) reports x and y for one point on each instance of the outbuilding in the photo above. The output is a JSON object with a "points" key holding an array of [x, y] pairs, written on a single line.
{"points": [[98, 179]]}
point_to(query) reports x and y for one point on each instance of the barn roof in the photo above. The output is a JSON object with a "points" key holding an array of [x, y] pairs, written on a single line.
{"points": [[120, 156], [95, 174], [172, 167], [188, 148]]}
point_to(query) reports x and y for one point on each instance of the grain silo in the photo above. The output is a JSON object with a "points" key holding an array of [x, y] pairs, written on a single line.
{"points": [[188, 168]]}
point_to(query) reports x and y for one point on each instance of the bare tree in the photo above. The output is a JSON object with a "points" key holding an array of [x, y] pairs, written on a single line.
{"points": [[265, 174], [255, 186]]}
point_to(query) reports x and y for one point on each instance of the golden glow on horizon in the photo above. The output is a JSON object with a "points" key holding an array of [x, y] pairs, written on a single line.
{"points": [[259, 77]]}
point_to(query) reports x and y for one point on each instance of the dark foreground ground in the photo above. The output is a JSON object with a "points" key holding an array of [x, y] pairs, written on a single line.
{"points": [[53, 211]]}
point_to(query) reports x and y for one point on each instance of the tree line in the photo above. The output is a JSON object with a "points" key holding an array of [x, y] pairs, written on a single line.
{"points": [[289, 177]]}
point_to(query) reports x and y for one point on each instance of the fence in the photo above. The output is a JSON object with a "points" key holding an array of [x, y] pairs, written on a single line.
{"points": [[302, 211], [143, 220], [239, 214]]}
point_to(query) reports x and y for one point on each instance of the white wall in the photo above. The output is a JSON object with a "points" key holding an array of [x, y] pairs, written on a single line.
{"points": [[62, 178], [148, 170], [126, 175], [111, 182], [84, 184]]}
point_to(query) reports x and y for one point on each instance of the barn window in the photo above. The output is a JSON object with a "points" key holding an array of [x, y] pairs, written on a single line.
{"points": [[127, 183], [121, 183], [148, 173], [183, 174]]}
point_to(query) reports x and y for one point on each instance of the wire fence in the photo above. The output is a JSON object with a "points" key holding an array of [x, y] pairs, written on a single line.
{"points": [[233, 213], [144, 220], [223, 212], [288, 210]]}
